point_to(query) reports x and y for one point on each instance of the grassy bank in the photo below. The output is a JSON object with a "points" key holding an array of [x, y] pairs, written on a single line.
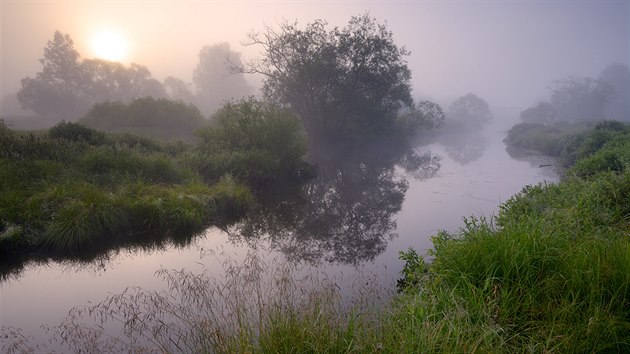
{"points": [[71, 190], [566, 141], [551, 273]]}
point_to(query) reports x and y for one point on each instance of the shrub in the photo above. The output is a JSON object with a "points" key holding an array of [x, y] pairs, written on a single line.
{"points": [[253, 141], [158, 118], [76, 132]]}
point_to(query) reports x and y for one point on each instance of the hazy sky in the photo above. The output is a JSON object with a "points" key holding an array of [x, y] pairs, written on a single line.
{"points": [[504, 51]]}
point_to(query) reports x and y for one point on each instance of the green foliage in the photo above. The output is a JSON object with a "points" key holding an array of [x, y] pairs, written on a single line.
{"points": [[553, 276], [76, 133], [106, 164], [413, 270], [558, 140], [81, 215], [613, 155], [345, 83], [252, 141], [158, 118], [73, 189], [575, 142]]}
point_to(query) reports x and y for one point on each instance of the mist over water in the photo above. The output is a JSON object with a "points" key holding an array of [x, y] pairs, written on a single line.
{"points": [[488, 65], [351, 219]]}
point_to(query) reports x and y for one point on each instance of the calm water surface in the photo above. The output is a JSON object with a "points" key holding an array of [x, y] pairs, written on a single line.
{"points": [[353, 218]]}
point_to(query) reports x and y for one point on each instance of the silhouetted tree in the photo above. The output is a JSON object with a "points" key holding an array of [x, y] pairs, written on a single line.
{"points": [[67, 87], [617, 77], [215, 80], [55, 92], [345, 83]]}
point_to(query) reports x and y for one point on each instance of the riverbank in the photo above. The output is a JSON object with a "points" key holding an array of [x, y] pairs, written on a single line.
{"points": [[551, 273], [70, 192]]}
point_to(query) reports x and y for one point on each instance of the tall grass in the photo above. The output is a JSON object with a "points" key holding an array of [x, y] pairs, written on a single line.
{"points": [[71, 188], [254, 307], [550, 273]]}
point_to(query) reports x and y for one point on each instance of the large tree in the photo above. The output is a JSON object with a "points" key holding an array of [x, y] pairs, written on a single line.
{"points": [[345, 83], [55, 91], [215, 80], [67, 87]]}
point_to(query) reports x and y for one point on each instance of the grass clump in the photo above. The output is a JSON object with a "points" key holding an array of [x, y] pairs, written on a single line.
{"points": [[71, 189]]}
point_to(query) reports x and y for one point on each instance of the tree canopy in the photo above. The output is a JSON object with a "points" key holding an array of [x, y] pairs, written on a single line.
{"points": [[68, 86], [345, 83]]}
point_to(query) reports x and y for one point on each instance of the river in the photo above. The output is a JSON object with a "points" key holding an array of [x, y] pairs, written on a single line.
{"points": [[353, 218]]}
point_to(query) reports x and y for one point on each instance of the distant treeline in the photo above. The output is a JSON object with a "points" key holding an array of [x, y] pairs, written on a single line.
{"points": [[584, 99]]}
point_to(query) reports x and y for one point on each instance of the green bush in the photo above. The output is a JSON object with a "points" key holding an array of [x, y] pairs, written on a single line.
{"points": [[76, 132], [613, 155], [158, 118], [252, 141]]}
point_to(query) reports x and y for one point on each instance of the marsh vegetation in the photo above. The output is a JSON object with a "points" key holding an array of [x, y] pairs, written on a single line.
{"points": [[320, 171]]}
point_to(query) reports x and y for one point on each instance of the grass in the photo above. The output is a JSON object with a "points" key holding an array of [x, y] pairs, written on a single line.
{"points": [[550, 273], [70, 189]]}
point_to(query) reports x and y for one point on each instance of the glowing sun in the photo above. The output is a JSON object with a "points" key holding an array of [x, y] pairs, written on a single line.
{"points": [[109, 45]]}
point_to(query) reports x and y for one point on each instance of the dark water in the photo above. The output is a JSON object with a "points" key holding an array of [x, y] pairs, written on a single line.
{"points": [[354, 218]]}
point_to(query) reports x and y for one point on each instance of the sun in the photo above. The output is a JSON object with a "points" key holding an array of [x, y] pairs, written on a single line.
{"points": [[109, 45]]}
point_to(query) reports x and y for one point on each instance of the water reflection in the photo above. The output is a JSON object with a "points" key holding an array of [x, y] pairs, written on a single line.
{"points": [[345, 214], [464, 148], [95, 258]]}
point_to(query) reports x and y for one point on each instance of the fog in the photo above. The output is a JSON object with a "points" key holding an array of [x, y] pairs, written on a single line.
{"points": [[504, 52]]}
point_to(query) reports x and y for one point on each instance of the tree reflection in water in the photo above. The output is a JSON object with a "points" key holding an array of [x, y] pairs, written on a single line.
{"points": [[465, 148], [346, 213]]}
